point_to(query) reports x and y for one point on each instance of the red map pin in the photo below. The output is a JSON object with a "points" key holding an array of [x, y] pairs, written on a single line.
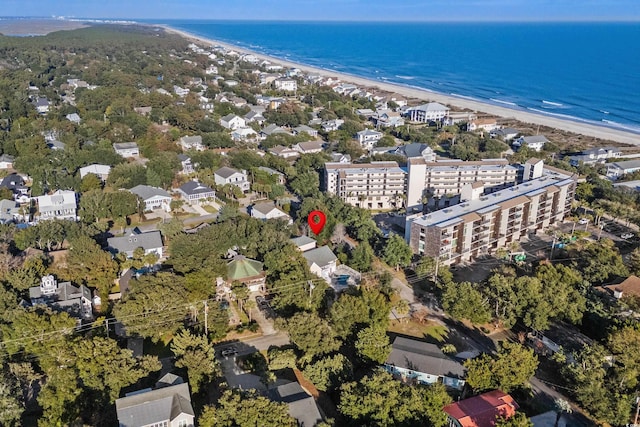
{"points": [[316, 220]]}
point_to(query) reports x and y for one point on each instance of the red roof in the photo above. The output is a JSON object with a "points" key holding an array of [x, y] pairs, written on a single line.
{"points": [[482, 410]]}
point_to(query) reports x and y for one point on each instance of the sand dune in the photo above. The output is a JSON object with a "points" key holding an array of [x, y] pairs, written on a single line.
{"points": [[586, 129]]}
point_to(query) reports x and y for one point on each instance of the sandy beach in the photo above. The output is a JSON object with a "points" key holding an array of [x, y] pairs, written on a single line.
{"points": [[586, 129]]}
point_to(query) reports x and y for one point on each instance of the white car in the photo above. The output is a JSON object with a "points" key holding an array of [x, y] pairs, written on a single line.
{"points": [[231, 351], [583, 221], [626, 235]]}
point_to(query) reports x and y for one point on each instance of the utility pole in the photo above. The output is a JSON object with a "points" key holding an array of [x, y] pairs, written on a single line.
{"points": [[106, 326], [635, 421], [311, 287], [206, 318], [553, 245]]}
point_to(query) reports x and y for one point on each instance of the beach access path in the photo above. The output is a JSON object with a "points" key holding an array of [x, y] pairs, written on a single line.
{"points": [[577, 127]]}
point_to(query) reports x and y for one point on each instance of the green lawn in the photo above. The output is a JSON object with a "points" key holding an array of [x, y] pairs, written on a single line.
{"points": [[420, 330], [210, 209]]}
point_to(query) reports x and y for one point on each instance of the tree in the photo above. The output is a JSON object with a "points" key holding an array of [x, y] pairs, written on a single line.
{"points": [[380, 400], [88, 263], [347, 312], [311, 334], [397, 252], [362, 257], [237, 408], [10, 406], [519, 419], [329, 372], [598, 261], [90, 182], [464, 301], [512, 368], [195, 353], [373, 345], [281, 358]]}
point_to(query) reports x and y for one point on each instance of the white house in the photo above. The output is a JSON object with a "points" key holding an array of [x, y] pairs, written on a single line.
{"points": [[289, 85], [191, 143], [306, 129], [425, 113], [534, 142], [76, 301], [244, 134], [127, 149], [102, 171], [321, 261], [506, 134], [42, 105], [195, 192], [268, 210], [233, 122], [153, 197], [73, 118], [6, 161], [303, 243], [150, 242], [272, 129], [331, 125], [284, 152], [485, 124], [180, 91], [60, 205], [309, 147], [367, 138], [232, 176], [618, 169]]}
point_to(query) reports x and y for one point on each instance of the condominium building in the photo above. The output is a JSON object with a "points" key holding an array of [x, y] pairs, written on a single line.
{"points": [[375, 185], [438, 181], [483, 223]]}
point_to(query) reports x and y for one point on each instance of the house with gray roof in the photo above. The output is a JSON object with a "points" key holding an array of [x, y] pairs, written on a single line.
{"points": [[6, 161], [428, 112], [195, 192], [506, 134], [187, 165], [272, 129], [302, 406], [306, 129], [16, 184], [60, 205], [619, 169], [42, 105], [233, 122], [150, 241], [268, 210], [153, 197], [340, 158], [284, 152], [168, 405], [309, 147], [9, 211], [424, 363], [74, 300], [304, 243], [191, 143], [101, 171], [321, 261], [232, 176], [127, 149], [279, 176], [367, 138], [73, 118], [534, 142], [417, 150]]}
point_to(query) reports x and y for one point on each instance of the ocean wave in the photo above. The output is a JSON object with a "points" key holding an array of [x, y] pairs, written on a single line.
{"points": [[555, 104], [500, 101], [604, 112], [457, 95], [405, 77], [635, 129], [564, 116]]}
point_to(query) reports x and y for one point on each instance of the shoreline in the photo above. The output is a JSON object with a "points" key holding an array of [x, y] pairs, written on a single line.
{"points": [[574, 126]]}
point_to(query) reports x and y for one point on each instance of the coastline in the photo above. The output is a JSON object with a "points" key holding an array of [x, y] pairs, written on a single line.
{"points": [[577, 127]]}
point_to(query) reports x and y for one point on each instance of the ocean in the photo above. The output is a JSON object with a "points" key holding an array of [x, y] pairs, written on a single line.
{"points": [[579, 71]]}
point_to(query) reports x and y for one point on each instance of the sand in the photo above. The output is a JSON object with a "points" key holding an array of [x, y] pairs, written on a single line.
{"points": [[37, 27], [586, 129]]}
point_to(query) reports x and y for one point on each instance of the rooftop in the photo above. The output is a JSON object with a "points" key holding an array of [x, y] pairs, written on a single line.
{"points": [[147, 192], [321, 256], [240, 268], [423, 357], [481, 411], [226, 172]]}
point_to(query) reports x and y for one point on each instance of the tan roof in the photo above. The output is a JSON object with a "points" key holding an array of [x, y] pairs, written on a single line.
{"points": [[470, 217], [514, 202], [630, 286]]}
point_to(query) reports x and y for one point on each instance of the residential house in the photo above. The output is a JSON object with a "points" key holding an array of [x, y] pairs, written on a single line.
{"points": [[481, 410], [211, 70], [595, 155], [191, 143], [619, 169], [153, 197], [233, 122], [232, 176], [425, 363], [309, 147], [126, 149], [194, 192], [340, 158], [321, 261], [254, 116], [168, 405], [42, 105], [308, 130], [271, 130], [180, 91], [16, 184], [279, 177], [534, 142], [629, 287], [304, 243], [150, 241], [60, 205], [73, 118], [244, 134], [6, 161], [417, 150], [246, 271], [268, 210], [9, 211], [143, 111], [367, 138], [507, 134], [74, 300], [367, 113], [187, 166], [302, 406], [288, 85], [388, 118], [425, 113], [331, 125], [54, 144], [284, 152], [485, 124], [101, 171]]}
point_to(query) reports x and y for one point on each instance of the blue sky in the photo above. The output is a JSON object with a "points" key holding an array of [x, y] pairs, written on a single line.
{"points": [[350, 10]]}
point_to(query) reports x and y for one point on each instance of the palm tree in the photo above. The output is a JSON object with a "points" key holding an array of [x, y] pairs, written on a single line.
{"points": [[402, 309], [248, 306], [561, 406]]}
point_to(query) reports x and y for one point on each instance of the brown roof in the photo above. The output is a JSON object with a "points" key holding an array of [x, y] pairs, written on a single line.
{"points": [[477, 184], [630, 286], [470, 217], [514, 202]]}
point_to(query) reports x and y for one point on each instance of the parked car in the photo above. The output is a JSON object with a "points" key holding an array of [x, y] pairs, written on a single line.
{"points": [[626, 235], [583, 221], [262, 302], [229, 351]]}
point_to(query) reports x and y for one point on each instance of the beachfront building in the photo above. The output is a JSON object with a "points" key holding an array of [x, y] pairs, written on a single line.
{"points": [[506, 134], [285, 84], [595, 155], [619, 169], [486, 124], [425, 113], [438, 181], [482, 223], [533, 142], [375, 185]]}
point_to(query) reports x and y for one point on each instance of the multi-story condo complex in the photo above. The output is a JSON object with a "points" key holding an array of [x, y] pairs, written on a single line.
{"points": [[433, 181], [375, 185], [484, 222]]}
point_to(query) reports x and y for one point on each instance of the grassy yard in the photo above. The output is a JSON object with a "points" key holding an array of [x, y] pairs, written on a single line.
{"points": [[431, 331], [210, 209]]}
